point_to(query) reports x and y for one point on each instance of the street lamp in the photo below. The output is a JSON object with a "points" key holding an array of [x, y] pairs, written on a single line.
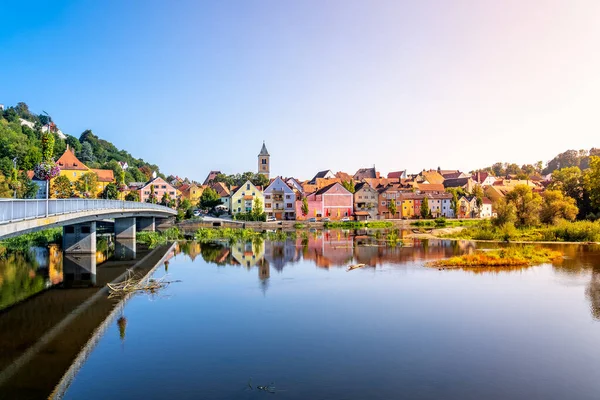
{"points": [[15, 183]]}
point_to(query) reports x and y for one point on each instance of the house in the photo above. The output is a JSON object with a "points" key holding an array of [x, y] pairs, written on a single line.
{"points": [[191, 192], [26, 123], [343, 176], [332, 201], [429, 188], [366, 173], [407, 205], [397, 175], [211, 177], [224, 193], [242, 199], [327, 174], [123, 165], [440, 204], [467, 207], [54, 129], [155, 189], [430, 176], [295, 185], [41, 185], [486, 208], [467, 184], [365, 202], [73, 169], [388, 195], [483, 178], [280, 200]]}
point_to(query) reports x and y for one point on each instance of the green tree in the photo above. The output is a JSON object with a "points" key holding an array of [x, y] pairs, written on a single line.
{"points": [[87, 185], [132, 196], [304, 206], [392, 208], [257, 208], [527, 205], [592, 181], [454, 203], [556, 206], [27, 188], [86, 155], [73, 143], [349, 185], [5, 190], [506, 213], [111, 192], [260, 180], [61, 188], [425, 212], [209, 198]]}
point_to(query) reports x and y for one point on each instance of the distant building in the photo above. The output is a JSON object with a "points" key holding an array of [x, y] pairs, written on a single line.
{"points": [[280, 200], [159, 187], [365, 202], [327, 174], [264, 167], [73, 169], [242, 200], [366, 173], [211, 176], [332, 201]]}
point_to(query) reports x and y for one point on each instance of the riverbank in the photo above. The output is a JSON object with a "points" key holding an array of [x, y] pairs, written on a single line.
{"points": [[506, 257]]}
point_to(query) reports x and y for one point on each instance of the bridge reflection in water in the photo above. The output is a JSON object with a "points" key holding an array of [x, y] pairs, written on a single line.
{"points": [[41, 338]]}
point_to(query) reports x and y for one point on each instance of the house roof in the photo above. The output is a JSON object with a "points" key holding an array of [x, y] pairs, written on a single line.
{"points": [[361, 185], [453, 175], [457, 182], [211, 176], [479, 176], [396, 174], [328, 188], [361, 213], [486, 200], [220, 188], [430, 187], [433, 177], [363, 173], [104, 175], [68, 161], [320, 175], [263, 150], [343, 176]]}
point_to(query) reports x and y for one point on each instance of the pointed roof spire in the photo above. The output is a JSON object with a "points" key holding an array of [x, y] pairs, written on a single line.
{"points": [[263, 151]]}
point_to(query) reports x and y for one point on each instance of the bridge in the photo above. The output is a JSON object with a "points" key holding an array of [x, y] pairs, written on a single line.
{"points": [[78, 218]]}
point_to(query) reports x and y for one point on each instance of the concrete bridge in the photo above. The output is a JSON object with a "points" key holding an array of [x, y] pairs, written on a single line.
{"points": [[78, 218]]}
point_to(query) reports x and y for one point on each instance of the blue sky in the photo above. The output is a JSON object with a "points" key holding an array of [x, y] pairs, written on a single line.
{"points": [[196, 85]]}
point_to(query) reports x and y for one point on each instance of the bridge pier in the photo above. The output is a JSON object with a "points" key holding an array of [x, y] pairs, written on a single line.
{"points": [[125, 244], [145, 224], [79, 270], [80, 238]]}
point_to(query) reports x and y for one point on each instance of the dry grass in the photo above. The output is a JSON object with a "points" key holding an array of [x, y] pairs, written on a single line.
{"points": [[135, 283], [504, 258]]}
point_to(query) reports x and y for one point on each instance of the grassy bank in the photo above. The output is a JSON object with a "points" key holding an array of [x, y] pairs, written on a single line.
{"points": [[36, 239], [153, 239], [208, 234], [511, 257], [358, 224], [579, 231], [444, 223]]}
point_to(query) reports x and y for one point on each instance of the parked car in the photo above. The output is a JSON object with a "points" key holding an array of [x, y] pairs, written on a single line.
{"points": [[325, 219], [271, 219], [313, 219], [197, 213], [345, 219]]}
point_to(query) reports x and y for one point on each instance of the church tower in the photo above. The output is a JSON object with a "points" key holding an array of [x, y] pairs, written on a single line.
{"points": [[263, 161]]}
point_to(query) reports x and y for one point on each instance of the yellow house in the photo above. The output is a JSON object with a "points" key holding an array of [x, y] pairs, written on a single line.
{"points": [[407, 208], [73, 169], [242, 200], [191, 192]]}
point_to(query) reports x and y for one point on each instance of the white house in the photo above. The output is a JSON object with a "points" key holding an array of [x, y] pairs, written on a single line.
{"points": [[486, 208], [280, 200]]}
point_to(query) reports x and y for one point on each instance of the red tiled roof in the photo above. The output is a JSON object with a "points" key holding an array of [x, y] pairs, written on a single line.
{"points": [[68, 161], [104, 175]]}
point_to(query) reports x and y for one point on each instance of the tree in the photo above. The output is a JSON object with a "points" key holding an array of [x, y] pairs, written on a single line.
{"points": [[478, 193], [392, 207], [209, 198], [166, 200], [5, 190], [506, 212], [349, 185], [556, 206], [152, 197], [454, 203], [73, 143], [27, 188], [260, 180], [62, 188], [257, 208], [111, 192], [304, 206], [132, 196], [592, 182], [425, 208], [87, 185], [527, 205], [86, 154]]}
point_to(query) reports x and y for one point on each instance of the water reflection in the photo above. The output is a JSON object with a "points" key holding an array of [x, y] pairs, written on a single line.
{"points": [[125, 249], [79, 270]]}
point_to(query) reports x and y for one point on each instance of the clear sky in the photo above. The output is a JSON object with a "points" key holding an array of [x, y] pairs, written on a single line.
{"points": [[197, 85]]}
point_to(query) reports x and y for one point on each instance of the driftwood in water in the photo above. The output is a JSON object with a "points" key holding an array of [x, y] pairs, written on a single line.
{"points": [[355, 266]]}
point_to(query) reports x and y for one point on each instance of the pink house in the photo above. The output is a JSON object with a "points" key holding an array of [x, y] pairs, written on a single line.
{"points": [[159, 186], [332, 201]]}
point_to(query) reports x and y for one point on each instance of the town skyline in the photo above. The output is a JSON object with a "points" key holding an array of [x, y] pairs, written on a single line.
{"points": [[456, 85]]}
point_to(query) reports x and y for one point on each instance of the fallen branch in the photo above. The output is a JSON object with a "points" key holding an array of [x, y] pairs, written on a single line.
{"points": [[355, 266], [134, 283]]}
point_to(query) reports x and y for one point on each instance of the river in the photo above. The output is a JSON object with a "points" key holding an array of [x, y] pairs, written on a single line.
{"points": [[255, 319]]}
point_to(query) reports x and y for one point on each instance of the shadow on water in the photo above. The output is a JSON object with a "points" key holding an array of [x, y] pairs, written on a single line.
{"points": [[52, 305]]}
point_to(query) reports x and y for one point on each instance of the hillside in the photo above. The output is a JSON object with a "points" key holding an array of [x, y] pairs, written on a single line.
{"points": [[20, 140]]}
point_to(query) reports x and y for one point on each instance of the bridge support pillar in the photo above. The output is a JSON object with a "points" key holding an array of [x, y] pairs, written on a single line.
{"points": [[80, 238], [145, 224], [125, 244]]}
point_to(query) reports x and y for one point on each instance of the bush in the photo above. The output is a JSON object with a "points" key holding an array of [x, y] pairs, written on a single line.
{"points": [[250, 217], [441, 221]]}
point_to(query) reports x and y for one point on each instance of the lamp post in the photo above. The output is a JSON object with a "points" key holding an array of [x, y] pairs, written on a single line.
{"points": [[15, 183]]}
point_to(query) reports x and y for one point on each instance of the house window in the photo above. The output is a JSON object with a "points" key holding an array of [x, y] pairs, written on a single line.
{"points": [[247, 187], [267, 205], [287, 196], [264, 161], [239, 201], [267, 197], [383, 195], [253, 194], [383, 203], [163, 187], [239, 209], [172, 193], [288, 205]]}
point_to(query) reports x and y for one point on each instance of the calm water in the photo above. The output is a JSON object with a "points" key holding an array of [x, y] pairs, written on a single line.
{"points": [[290, 316]]}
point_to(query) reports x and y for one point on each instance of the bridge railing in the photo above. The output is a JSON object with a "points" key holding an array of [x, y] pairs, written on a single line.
{"points": [[12, 210]]}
